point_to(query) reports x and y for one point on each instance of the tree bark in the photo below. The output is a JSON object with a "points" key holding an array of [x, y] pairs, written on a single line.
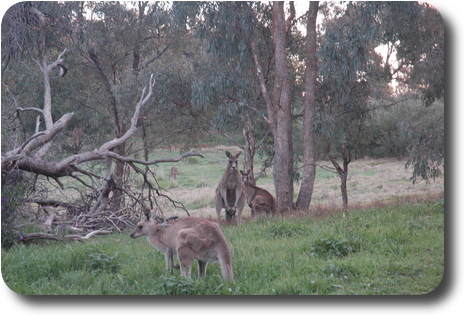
{"points": [[281, 108], [309, 145], [250, 149], [343, 173], [278, 105]]}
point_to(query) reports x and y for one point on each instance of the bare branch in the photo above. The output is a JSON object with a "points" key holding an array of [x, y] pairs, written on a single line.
{"points": [[156, 161], [25, 237], [51, 203], [143, 100], [24, 109], [50, 133], [262, 80]]}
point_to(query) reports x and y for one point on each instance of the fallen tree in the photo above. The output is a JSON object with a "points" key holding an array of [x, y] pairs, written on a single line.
{"points": [[87, 215], [33, 163]]}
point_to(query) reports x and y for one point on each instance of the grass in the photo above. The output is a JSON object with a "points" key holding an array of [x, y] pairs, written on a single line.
{"points": [[391, 245], [370, 181], [392, 250]]}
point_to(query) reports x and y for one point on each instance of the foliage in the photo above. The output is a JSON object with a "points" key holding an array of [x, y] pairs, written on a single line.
{"points": [[13, 194], [411, 130], [375, 251], [201, 57], [426, 138], [287, 229], [327, 247], [416, 32]]}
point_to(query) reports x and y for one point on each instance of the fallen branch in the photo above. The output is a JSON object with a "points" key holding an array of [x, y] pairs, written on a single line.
{"points": [[26, 237], [48, 224], [156, 161]]}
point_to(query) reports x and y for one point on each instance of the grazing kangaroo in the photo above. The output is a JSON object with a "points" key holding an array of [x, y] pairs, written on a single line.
{"points": [[189, 238], [230, 193], [259, 199]]}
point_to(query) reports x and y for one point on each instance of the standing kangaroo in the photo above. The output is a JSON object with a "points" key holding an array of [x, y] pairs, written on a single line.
{"points": [[230, 193], [188, 239], [259, 199]]}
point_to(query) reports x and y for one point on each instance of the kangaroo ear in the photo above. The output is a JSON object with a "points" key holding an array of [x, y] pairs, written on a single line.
{"points": [[228, 154], [241, 172], [238, 154], [147, 214]]}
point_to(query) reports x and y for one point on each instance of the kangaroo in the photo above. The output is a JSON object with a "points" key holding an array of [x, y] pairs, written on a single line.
{"points": [[230, 193], [189, 238], [259, 199]]}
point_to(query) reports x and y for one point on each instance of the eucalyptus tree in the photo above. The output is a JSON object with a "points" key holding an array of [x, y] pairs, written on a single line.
{"points": [[350, 70], [415, 32], [225, 89], [116, 42], [345, 76], [310, 105], [116, 79], [253, 36]]}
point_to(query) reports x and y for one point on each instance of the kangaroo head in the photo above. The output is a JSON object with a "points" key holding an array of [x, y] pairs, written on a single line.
{"points": [[245, 176], [143, 227], [233, 160]]}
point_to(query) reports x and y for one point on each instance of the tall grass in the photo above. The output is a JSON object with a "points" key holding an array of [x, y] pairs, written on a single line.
{"points": [[398, 249]]}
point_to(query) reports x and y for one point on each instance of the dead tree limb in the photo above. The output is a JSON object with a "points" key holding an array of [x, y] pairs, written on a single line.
{"points": [[27, 237]]}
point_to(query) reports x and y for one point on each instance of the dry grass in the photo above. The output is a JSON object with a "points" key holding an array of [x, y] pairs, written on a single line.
{"points": [[371, 183]]}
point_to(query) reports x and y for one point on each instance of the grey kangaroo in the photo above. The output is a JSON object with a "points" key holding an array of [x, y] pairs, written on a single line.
{"points": [[230, 193], [259, 199], [189, 239]]}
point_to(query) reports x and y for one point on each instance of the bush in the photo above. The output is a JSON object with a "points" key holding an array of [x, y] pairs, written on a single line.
{"points": [[12, 198], [175, 285], [287, 229], [334, 247], [94, 259], [102, 262]]}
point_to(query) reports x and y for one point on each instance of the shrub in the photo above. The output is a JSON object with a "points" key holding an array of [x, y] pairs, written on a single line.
{"points": [[94, 259], [334, 247], [175, 285], [13, 191], [102, 262], [287, 229]]}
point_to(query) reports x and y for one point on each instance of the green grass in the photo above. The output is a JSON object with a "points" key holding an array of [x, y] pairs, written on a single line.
{"points": [[394, 250]]}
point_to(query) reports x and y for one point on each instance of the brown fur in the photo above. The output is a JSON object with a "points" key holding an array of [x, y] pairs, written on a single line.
{"points": [[230, 193], [259, 199], [189, 239]]}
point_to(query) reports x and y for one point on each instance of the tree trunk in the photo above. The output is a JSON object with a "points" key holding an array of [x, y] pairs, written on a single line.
{"points": [[278, 105], [250, 149], [343, 173], [309, 145], [344, 189], [118, 176], [281, 108]]}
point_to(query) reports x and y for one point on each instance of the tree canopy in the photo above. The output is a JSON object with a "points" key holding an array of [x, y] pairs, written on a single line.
{"points": [[89, 89]]}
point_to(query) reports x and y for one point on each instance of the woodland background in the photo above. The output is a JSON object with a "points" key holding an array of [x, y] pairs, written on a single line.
{"points": [[91, 91]]}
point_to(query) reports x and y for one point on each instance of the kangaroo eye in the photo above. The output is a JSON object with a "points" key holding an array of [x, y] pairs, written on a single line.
{"points": [[140, 227]]}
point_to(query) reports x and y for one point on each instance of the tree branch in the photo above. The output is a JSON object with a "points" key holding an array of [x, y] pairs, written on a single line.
{"points": [[143, 100], [156, 161]]}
